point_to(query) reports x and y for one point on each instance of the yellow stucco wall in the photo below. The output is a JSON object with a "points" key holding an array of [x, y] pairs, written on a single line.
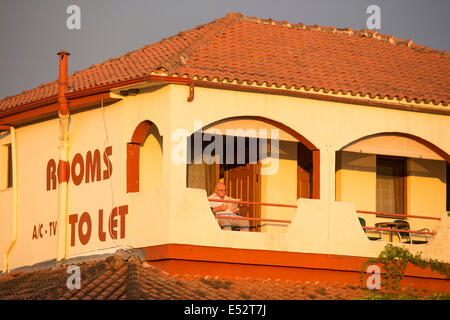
{"points": [[151, 162], [280, 188], [426, 191], [356, 180], [176, 214]]}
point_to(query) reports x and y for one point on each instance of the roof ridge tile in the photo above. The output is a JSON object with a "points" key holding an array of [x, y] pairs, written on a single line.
{"points": [[180, 58], [346, 30]]}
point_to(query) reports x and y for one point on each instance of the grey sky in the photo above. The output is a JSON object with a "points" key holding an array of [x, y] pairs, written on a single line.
{"points": [[32, 32]]}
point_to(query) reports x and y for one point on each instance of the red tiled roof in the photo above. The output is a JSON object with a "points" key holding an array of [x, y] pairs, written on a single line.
{"points": [[124, 276], [277, 53]]}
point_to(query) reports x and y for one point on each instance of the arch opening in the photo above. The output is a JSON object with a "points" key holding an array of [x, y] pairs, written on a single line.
{"points": [[259, 160], [145, 158], [394, 173]]}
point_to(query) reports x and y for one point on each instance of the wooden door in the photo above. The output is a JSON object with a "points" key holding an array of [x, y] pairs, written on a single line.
{"points": [[242, 181], [304, 172]]}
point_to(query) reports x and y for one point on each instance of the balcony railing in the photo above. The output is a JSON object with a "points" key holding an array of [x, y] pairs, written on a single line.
{"points": [[402, 216], [379, 214], [389, 215], [255, 203]]}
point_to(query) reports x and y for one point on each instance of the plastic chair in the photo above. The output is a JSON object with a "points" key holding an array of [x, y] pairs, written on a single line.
{"points": [[404, 235], [408, 236], [362, 221], [427, 237]]}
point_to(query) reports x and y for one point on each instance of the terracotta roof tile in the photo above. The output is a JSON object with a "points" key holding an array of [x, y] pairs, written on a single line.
{"points": [[118, 279], [257, 51]]}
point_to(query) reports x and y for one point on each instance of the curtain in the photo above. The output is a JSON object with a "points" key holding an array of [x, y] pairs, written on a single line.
{"points": [[390, 186], [202, 176]]}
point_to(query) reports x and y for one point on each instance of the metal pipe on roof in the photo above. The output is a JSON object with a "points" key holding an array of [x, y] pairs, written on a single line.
{"points": [[62, 83], [63, 166]]}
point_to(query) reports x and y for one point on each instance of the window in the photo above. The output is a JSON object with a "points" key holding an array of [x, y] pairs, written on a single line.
{"points": [[10, 170], [391, 185], [6, 167]]}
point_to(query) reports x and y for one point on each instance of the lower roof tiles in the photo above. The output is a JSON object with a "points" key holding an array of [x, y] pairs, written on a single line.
{"points": [[118, 277]]}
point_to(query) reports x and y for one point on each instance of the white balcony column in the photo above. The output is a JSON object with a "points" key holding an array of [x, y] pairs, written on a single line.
{"points": [[327, 173], [327, 182]]}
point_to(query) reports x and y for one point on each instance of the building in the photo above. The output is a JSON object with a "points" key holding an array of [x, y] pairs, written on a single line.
{"points": [[310, 127]]}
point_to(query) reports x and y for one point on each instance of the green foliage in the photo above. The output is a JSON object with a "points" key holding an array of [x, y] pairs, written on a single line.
{"points": [[373, 295], [393, 260]]}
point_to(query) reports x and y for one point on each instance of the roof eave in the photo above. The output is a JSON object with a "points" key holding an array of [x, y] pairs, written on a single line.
{"points": [[78, 100]]}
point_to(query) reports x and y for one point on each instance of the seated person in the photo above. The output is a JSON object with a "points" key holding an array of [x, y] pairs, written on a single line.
{"points": [[226, 209]]}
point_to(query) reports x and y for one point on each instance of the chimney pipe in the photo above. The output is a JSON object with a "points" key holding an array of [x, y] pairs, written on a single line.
{"points": [[62, 82]]}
